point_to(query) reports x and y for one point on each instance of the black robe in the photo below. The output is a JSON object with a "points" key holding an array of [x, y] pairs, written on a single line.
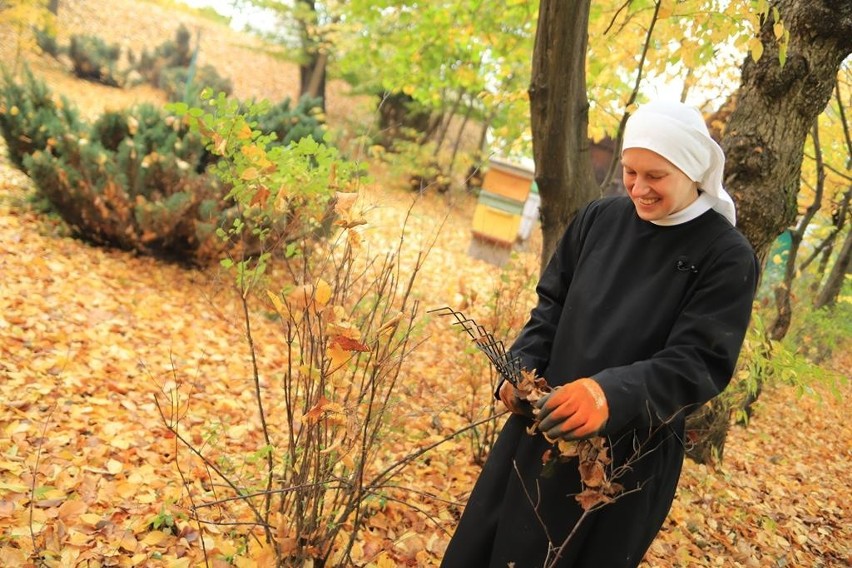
{"points": [[657, 316]]}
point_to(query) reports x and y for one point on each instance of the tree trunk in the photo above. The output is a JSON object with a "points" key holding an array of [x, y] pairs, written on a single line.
{"points": [[776, 105], [842, 267], [784, 291], [312, 77], [312, 73], [764, 140], [559, 112], [445, 124], [459, 137]]}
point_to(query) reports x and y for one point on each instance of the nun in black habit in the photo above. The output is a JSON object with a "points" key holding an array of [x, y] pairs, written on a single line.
{"points": [[640, 318]]}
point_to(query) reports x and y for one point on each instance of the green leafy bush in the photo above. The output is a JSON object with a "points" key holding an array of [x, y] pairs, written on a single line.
{"points": [[94, 60], [135, 184], [285, 193], [304, 120], [816, 335], [32, 117]]}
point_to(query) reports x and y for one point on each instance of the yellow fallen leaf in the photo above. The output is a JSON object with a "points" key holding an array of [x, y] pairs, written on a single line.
{"points": [[114, 466], [154, 538], [13, 487], [264, 557], [128, 542], [385, 561], [77, 538], [12, 556], [90, 519]]}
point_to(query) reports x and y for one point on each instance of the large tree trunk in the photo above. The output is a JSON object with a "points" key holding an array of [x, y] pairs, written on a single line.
{"points": [[776, 106], [560, 117], [764, 139]]}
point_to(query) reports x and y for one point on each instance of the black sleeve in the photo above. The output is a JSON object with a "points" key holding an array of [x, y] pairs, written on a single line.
{"points": [[700, 354], [534, 343]]}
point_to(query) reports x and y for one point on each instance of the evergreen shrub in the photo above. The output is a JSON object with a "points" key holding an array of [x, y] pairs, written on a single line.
{"points": [[173, 81], [32, 117], [46, 41], [134, 183], [176, 53], [94, 60], [169, 67]]}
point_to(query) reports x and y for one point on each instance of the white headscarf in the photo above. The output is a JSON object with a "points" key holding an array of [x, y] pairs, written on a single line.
{"points": [[677, 132]]}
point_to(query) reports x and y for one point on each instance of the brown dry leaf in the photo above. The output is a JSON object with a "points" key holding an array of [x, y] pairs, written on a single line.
{"points": [[349, 343], [590, 498], [592, 474], [220, 144], [390, 324], [260, 197], [354, 238], [568, 448], [72, 508], [343, 203], [313, 415]]}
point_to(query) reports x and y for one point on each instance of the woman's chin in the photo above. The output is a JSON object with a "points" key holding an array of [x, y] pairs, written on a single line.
{"points": [[647, 213]]}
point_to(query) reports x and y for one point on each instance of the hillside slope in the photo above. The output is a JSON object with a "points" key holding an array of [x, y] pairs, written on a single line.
{"points": [[138, 24]]}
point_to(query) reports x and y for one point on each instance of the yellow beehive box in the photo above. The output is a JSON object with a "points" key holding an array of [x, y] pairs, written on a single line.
{"points": [[495, 225], [508, 180]]}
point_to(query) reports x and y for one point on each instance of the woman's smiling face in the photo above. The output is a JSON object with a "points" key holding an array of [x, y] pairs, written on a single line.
{"points": [[656, 186]]}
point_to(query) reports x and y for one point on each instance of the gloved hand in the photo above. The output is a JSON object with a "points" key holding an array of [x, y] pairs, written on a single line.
{"points": [[509, 397], [573, 411]]}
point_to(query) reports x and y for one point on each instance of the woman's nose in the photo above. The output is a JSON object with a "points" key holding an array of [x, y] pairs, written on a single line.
{"points": [[639, 187]]}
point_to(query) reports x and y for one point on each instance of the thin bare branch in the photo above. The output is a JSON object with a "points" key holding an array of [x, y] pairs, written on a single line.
{"points": [[619, 137]]}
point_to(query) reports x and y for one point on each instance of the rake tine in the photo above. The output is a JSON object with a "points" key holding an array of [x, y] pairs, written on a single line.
{"points": [[494, 350]]}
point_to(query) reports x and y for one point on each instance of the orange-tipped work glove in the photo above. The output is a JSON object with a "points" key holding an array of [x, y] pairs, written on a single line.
{"points": [[573, 411], [509, 396]]}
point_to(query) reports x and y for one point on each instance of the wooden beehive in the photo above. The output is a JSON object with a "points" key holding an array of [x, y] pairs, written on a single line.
{"points": [[508, 180]]}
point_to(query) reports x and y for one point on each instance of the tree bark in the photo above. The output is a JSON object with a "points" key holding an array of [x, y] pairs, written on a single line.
{"points": [[312, 77], [784, 291], [559, 112], [776, 105], [312, 73], [842, 266], [765, 137]]}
